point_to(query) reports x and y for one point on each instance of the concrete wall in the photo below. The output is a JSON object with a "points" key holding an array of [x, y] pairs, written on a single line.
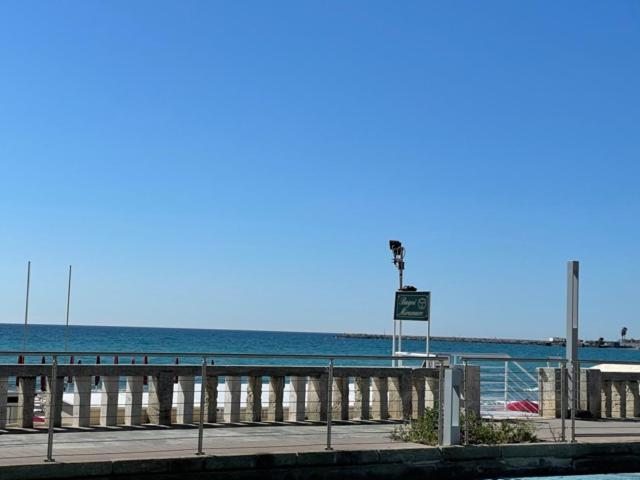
{"points": [[396, 393], [407, 463], [601, 394]]}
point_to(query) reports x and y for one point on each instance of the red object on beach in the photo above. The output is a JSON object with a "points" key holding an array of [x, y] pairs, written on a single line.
{"points": [[97, 376], [523, 406], [43, 383]]}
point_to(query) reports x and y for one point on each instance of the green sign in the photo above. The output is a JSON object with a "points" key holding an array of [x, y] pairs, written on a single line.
{"points": [[412, 306]]}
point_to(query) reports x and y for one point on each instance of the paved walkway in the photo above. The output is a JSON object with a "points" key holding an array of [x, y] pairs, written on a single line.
{"points": [[18, 448], [158, 442], [590, 431]]}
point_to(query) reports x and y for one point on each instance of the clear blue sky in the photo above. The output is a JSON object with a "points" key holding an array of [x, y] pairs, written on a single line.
{"points": [[243, 164]]}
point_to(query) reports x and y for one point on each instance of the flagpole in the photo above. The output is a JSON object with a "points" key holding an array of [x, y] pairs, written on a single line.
{"points": [[66, 330], [26, 309]]}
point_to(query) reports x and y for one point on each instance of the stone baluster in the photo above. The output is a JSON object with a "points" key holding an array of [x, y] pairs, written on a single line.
{"points": [[275, 412], [340, 398], [593, 382], [405, 395], [380, 398], [253, 411], [606, 399], [417, 396], [317, 398], [430, 392], [631, 394], [4, 387], [232, 399], [53, 405], [549, 392], [26, 397], [400, 397], [297, 390], [362, 394], [618, 399], [109, 401], [184, 408], [82, 402], [133, 401], [160, 398], [211, 399], [472, 390], [583, 387]]}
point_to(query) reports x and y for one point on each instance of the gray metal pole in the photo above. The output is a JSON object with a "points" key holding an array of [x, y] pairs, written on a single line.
{"points": [[440, 401], [573, 280], [400, 270], [329, 404], [66, 329], [26, 309], [573, 283], [466, 410], [574, 400], [563, 399], [52, 407], [428, 340], [506, 384], [393, 343], [203, 385]]}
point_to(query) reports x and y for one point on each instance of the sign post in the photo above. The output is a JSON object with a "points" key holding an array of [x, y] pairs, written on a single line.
{"points": [[411, 305]]}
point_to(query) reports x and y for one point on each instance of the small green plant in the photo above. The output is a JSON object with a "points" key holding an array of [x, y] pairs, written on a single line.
{"points": [[422, 430], [425, 430], [491, 432]]}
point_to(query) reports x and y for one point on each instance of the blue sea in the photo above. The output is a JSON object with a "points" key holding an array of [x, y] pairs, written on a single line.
{"points": [[143, 340]]}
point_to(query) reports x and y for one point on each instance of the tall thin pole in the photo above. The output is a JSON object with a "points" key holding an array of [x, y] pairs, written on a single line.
{"points": [[26, 309], [428, 339], [573, 284], [52, 408], [400, 271], [329, 404], [66, 330]]}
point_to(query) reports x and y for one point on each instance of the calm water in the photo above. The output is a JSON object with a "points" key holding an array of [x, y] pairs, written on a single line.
{"points": [[136, 339]]}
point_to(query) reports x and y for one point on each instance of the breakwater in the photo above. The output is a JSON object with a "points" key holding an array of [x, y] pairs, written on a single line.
{"points": [[513, 341], [554, 341]]}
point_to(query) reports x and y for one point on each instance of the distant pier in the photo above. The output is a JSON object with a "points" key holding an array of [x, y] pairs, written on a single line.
{"points": [[554, 341]]}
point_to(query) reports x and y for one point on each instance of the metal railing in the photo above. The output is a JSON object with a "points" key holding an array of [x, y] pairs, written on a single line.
{"points": [[381, 394], [510, 391], [588, 400], [332, 394]]}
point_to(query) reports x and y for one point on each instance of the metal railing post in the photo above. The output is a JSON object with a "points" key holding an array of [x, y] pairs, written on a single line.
{"points": [[466, 410], [574, 397], [440, 401], [329, 404], [563, 400], [203, 386], [506, 384], [52, 407]]}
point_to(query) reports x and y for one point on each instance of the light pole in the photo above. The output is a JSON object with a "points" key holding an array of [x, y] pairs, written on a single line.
{"points": [[398, 260]]}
